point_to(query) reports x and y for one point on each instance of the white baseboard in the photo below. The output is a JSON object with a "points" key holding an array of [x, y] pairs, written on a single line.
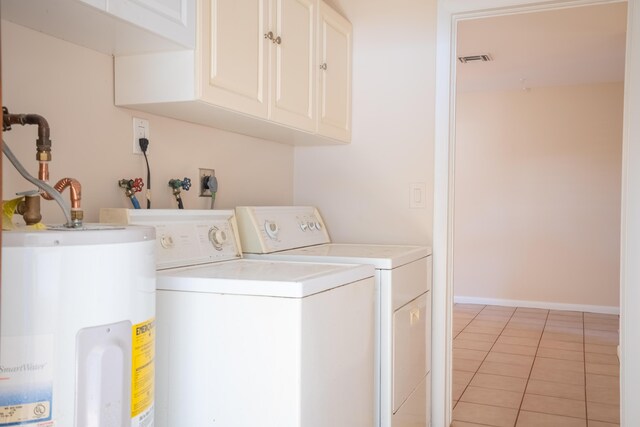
{"points": [[604, 309]]}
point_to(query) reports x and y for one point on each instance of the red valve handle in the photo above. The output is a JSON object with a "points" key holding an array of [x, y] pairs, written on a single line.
{"points": [[137, 185]]}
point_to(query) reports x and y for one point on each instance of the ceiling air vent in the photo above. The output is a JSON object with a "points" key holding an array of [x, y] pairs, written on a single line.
{"points": [[475, 58]]}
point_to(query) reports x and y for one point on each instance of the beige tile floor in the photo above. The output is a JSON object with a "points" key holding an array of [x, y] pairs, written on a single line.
{"points": [[528, 367]]}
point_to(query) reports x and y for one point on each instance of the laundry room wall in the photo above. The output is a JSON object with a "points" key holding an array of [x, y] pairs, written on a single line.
{"points": [[72, 87], [363, 189], [537, 202]]}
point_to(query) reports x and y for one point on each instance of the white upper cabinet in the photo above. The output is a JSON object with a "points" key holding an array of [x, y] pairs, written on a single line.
{"points": [[172, 19], [293, 63], [334, 82], [258, 58], [114, 27], [235, 54], [254, 71]]}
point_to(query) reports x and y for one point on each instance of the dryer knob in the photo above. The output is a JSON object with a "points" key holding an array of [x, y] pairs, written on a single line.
{"points": [[304, 226], [271, 229], [318, 225], [312, 225], [166, 241]]}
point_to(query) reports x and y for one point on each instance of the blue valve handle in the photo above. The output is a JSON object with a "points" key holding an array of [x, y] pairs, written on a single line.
{"points": [[177, 183], [186, 183]]}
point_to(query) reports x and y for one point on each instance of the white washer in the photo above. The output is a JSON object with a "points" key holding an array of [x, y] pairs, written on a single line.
{"points": [[245, 343], [403, 285]]}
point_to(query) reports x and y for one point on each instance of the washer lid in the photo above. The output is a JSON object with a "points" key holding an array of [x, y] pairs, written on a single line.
{"points": [[384, 257], [262, 278]]}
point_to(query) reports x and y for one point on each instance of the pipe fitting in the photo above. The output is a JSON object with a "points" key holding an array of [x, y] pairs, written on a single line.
{"points": [[43, 156], [30, 209], [43, 143], [77, 215]]}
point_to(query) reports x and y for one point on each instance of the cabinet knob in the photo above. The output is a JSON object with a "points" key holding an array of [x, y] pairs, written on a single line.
{"points": [[323, 66], [277, 40], [269, 35]]}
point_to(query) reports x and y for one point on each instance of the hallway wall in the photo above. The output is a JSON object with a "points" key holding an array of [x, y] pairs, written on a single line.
{"points": [[537, 207]]}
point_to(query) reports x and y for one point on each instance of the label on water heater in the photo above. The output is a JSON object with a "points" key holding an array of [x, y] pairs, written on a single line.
{"points": [[26, 380], [142, 373]]}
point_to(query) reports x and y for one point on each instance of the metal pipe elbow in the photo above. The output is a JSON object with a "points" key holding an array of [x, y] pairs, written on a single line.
{"points": [[75, 194], [43, 143]]}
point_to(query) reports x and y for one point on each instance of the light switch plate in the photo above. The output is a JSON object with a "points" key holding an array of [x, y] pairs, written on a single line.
{"points": [[418, 195]]}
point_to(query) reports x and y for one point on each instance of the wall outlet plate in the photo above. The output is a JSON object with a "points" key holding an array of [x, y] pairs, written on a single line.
{"points": [[203, 175], [140, 130]]}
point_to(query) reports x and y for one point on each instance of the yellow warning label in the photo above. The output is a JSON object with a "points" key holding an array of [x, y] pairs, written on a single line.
{"points": [[142, 366]]}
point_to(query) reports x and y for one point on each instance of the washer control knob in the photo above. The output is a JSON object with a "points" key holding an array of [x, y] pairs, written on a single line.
{"points": [[272, 229], [166, 241], [304, 226], [312, 225], [318, 225], [217, 237]]}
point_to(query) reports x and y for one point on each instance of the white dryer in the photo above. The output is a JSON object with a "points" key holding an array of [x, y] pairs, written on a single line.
{"points": [[403, 302], [245, 343]]}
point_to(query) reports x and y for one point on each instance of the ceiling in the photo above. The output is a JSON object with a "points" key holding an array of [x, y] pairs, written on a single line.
{"points": [[572, 46]]}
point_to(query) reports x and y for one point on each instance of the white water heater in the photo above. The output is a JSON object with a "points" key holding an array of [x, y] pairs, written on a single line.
{"points": [[77, 325]]}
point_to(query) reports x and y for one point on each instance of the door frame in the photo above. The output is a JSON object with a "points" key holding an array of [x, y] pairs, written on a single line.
{"points": [[450, 12]]}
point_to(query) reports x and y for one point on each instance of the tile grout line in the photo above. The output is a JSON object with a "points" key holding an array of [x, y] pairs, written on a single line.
{"points": [[465, 326], [452, 355], [532, 365], [492, 345], [535, 358]]}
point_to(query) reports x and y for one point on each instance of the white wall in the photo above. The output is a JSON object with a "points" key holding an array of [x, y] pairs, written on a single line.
{"points": [[72, 87], [537, 201], [362, 189]]}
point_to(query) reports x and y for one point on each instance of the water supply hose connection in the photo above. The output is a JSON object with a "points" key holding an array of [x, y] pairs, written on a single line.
{"points": [[177, 186], [131, 187]]}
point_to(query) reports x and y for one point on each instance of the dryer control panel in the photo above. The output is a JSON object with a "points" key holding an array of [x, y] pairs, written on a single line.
{"points": [[267, 229], [184, 237]]}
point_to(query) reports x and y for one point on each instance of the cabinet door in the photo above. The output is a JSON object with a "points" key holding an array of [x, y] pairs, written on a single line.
{"points": [[172, 19], [234, 54], [334, 92], [293, 64]]}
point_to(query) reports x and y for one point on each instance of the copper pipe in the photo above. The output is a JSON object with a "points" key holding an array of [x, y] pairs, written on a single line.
{"points": [[43, 171], [75, 191]]}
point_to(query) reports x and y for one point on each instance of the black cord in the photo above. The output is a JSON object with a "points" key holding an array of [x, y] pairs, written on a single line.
{"points": [[180, 205], [144, 144]]}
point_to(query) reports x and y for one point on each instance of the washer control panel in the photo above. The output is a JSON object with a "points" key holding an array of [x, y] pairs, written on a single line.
{"points": [[267, 229], [188, 237]]}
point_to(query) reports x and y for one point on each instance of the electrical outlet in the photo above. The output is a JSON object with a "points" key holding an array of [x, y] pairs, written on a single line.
{"points": [[140, 130], [202, 177]]}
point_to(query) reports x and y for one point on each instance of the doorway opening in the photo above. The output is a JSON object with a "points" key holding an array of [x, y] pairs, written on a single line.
{"points": [[448, 111]]}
